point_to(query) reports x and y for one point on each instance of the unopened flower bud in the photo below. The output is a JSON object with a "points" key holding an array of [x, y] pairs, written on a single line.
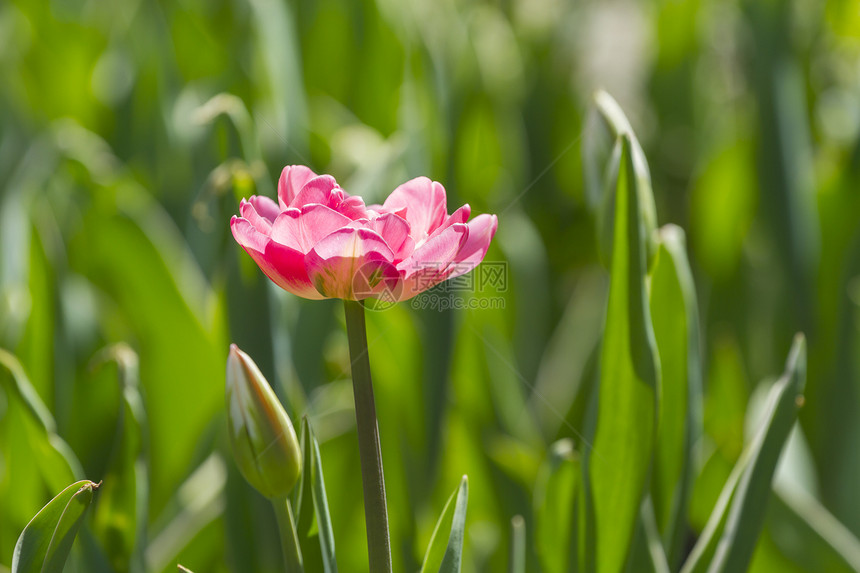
{"points": [[261, 434]]}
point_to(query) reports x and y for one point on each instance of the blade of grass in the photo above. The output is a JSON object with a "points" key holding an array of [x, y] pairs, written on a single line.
{"points": [[676, 329], [120, 516], [729, 538], [447, 556], [629, 383], [555, 497], [517, 563]]}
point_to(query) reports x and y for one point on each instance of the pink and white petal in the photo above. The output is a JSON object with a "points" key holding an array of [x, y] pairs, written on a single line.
{"points": [[460, 216], [286, 230], [431, 263], [351, 263], [303, 228], [283, 265], [265, 207], [316, 190], [425, 204], [247, 235], [293, 178], [262, 224], [482, 229], [395, 231]]}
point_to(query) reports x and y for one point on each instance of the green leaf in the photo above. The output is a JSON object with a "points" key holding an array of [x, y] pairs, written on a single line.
{"points": [[730, 536], [601, 170], [517, 563], [317, 546], [447, 557], [809, 535], [131, 250], [676, 329], [44, 545], [119, 519], [303, 502], [626, 416], [33, 459], [658, 560], [555, 496]]}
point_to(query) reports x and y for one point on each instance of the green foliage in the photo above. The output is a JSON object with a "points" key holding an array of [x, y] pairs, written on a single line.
{"points": [[674, 312], [727, 542], [555, 496], [45, 543], [317, 543], [120, 515], [620, 460], [446, 555]]}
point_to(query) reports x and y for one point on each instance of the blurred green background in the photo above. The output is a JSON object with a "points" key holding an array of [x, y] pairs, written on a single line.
{"points": [[130, 129]]}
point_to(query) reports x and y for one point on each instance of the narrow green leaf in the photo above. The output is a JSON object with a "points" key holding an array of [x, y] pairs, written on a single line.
{"points": [[442, 556], [326, 532], [646, 549], [119, 519], [629, 383], [555, 496], [304, 504], [317, 543], [44, 545], [659, 561], [453, 559], [809, 535], [162, 297], [608, 164], [517, 562], [730, 536], [55, 459], [676, 329]]}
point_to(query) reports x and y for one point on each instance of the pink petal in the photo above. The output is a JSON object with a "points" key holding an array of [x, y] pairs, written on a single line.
{"points": [[424, 201], [353, 207], [461, 215], [303, 228], [316, 190], [247, 235], [481, 231], [352, 263], [293, 178], [265, 207], [283, 265], [249, 212], [395, 231], [431, 263]]}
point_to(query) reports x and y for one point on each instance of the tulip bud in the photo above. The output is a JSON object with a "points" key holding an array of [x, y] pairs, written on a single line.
{"points": [[261, 434]]}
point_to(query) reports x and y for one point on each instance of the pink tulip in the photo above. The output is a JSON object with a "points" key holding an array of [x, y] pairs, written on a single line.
{"points": [[320, 242]]}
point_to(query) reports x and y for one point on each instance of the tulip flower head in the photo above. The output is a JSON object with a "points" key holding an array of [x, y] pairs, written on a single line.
{"points": [[320, 242], [262, 437]]}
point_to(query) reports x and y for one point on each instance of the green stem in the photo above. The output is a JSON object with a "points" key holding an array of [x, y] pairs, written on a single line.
{"points": [[289, 537], [372, 478]]}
